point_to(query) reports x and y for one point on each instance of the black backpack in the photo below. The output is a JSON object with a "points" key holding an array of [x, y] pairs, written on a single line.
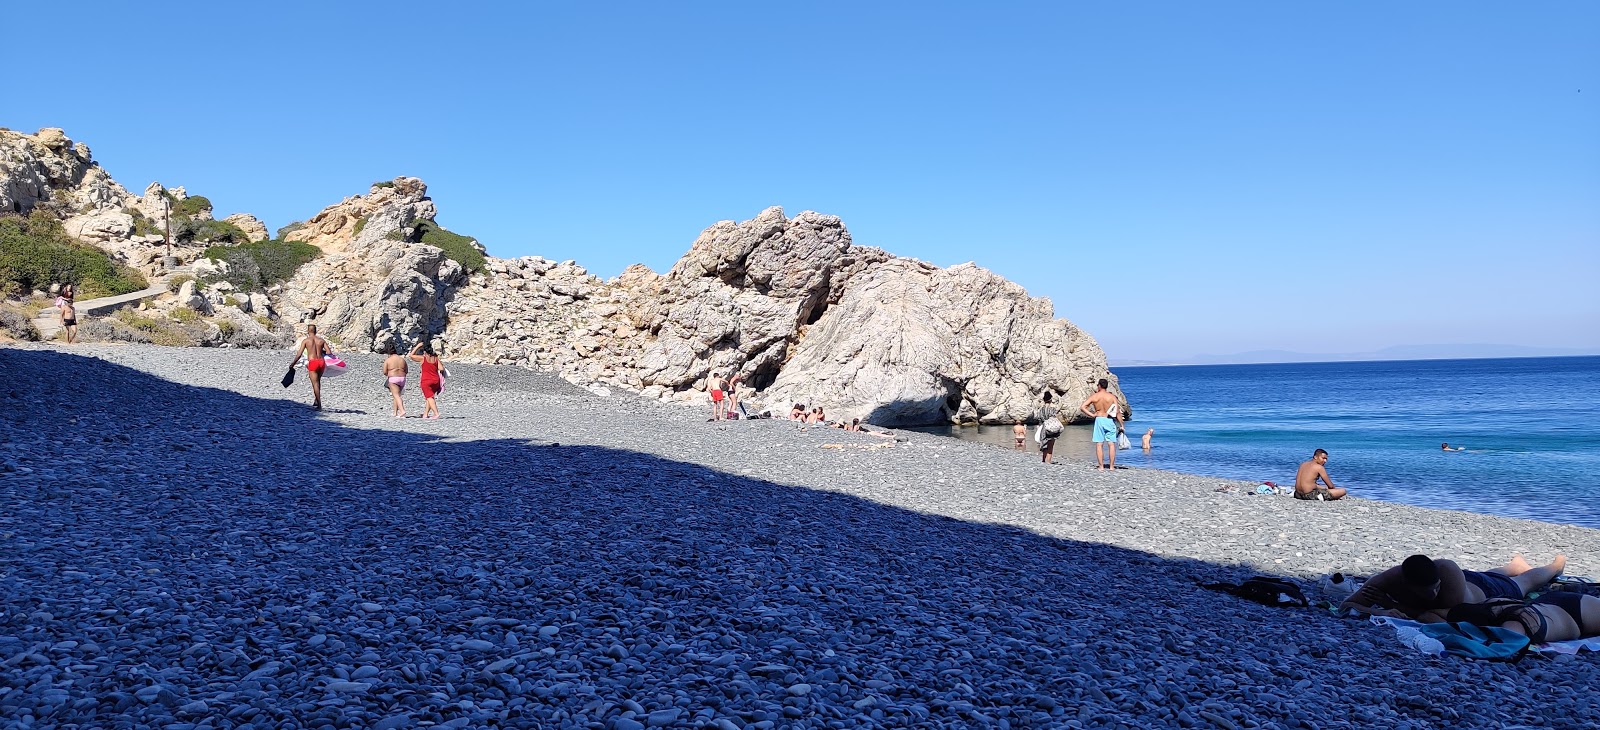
{"points": [[1265, 590]]}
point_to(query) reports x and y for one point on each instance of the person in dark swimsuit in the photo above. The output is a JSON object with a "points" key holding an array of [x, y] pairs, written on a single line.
{"points": [[69, 312], [1424, 589], [1553, 616]]}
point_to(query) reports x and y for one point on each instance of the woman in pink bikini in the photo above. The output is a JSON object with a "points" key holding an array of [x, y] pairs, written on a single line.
{"points": [[432, 382], [394, 371]]}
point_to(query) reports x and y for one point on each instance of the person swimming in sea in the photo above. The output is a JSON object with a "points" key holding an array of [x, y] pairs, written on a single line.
{"points": [[1446, 447]]}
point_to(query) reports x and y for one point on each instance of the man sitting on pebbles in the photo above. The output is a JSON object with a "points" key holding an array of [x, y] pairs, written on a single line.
{"points": [[1305, 480], [1424, 589]]}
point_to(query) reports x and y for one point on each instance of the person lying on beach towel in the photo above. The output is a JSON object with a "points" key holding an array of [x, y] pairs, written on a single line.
{"points": [[1424, 589], [1553, 616]]}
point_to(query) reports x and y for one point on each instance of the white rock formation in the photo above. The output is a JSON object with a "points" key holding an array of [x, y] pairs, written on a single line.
{"points": [[370, 291]]}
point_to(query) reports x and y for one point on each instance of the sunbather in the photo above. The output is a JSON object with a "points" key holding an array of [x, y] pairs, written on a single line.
{"points": [[1424, 589], [1553, 616]]}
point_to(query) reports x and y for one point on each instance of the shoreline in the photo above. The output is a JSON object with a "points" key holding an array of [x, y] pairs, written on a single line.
{"points": [[654, 555], [1080, 451]]}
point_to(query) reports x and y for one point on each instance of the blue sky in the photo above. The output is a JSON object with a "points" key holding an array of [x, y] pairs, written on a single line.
{"points": [[1176, 177]]}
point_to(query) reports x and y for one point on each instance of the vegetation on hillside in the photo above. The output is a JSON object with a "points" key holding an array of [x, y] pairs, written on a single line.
{"points": [[36, 252], [192, 230], [256, 266], [456, 247]]}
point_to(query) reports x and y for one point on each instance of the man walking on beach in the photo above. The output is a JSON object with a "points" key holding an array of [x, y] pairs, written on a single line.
{"points": [[1102, 407], [315, 349], [1305, 480]]}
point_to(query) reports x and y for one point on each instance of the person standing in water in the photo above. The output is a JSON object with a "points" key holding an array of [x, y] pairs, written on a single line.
{"points": [[315, 349], [432, 380], [1019, 434], [1102, 407], [1145, 442], [395, 372]]}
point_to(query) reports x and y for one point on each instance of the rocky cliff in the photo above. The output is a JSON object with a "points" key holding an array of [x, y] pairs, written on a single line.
{"points": [[790, 305]]}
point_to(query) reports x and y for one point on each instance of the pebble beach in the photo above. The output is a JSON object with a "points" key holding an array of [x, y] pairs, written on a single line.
{"points": [[185, 544]]}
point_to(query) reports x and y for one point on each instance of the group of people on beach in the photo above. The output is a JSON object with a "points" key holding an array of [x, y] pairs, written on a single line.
{"points": [[1107, 431], [1438, 590], [396, 370]]}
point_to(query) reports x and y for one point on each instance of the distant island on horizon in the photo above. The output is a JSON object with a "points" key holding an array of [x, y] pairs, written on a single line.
{"points": [[1397, 352]]}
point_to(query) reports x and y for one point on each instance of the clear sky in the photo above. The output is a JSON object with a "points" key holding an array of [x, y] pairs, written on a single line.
{"points": [[1178, 177]]}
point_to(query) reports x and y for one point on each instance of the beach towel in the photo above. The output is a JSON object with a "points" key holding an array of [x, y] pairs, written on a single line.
{"points": [[1553, 647], [334, 367]]}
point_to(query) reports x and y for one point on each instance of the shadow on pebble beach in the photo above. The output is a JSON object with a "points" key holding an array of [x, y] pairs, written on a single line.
{"points": [[188, 557]]}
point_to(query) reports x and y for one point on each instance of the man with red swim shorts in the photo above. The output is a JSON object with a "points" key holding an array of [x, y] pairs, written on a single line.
{"points": [[315, 349], [719, 407]]}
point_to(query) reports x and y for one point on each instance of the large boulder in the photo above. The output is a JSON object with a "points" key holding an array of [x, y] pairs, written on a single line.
{"points": [[372, 289], [799, 313]]}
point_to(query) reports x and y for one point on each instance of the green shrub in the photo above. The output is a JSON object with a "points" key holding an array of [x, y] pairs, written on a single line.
{"points": [[360, 224], [283, 233], [184, 315], [36, 252], [262, 320], [456, 246], [384, 184], [190, 230], [143, 226], [230, 300], [176, 282], [191, 206], [227, 328], [154, 329], [258, 265]]}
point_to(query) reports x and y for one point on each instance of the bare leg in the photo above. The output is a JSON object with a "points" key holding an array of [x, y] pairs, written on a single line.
{"points": [[1515, 567], [316, 390], [398, 407], [1533, 579], [1099, 455], [432, 410], [1113, 447]]}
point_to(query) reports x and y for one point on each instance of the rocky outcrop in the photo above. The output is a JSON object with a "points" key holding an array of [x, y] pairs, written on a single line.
{"points": [[251, 225], [48, 169], [335, 228], [372, 289], [796, 310]]}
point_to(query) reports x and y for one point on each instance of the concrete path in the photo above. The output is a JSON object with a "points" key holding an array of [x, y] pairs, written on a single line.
{"points": [[48, 320]]}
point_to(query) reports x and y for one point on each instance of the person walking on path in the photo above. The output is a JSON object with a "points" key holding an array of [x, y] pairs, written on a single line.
{"points": [[432, 380], [719, 400], [1305, 480], [315, 349], [395, 372], [1102, 407], [1047, 435], [69, 312]]}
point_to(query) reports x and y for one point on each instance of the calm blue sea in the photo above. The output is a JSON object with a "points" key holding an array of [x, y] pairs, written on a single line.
{"points": [[1531, 427]]}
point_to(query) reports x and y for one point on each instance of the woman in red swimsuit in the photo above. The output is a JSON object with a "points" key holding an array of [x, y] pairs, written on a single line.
{"points": [[432, 382]]}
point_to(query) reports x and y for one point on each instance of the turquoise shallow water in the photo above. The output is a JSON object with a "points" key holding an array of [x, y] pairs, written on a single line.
{"points": [[1531, 427]]}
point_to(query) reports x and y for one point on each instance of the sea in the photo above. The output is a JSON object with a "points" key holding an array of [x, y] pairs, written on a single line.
{"points": [[1530, 428]]}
